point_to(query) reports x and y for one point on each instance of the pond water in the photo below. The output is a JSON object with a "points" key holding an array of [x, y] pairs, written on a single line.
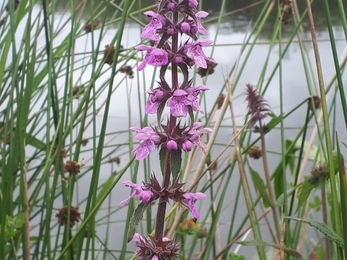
{"points": [[228, 41]]}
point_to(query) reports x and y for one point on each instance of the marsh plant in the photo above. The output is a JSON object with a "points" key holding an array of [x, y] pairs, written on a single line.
{"points": [[102, 99], [172, 31]]}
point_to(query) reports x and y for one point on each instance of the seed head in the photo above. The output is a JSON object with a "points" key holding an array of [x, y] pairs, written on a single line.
{"points": [[75, 216]]}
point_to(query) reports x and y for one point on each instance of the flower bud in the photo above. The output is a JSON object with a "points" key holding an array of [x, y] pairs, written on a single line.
{"points": [[171, 145], [178, 59], [187, 146], [170, 31], [159, 95], [185, 27], [170, 6]]}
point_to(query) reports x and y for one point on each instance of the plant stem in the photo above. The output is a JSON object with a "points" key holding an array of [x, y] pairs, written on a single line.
{"points": [[268, 179], [159, 225], [335, 208], [325, 220]]}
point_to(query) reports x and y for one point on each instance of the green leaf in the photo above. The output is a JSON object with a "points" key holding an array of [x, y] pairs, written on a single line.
{"points": [[20, 220], [233, 256], [160, 111], [323, 228], [314, 151], [273, 122], [162, 158], [316, 203], [261, 187], [176, 160], [33, 141], [105, 188], [336, 161], [191, 114], [304, 193], [34, 238], [262, 243], [320, 253], [135, 220]]}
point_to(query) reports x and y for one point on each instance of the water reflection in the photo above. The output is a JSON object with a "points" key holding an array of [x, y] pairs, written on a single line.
{"points": [[237, 13]]}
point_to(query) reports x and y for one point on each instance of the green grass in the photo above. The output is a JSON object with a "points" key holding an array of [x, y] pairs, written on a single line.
{"points": [[45, 56]]}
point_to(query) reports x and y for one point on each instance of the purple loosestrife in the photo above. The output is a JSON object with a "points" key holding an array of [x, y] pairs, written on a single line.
{"points": [[258, 107], [172, 20]]}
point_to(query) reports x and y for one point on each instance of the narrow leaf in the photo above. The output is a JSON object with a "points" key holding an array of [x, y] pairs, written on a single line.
{"points": [[160, 111], [233, 256], [259, 184], [106, 188], [162, 158], [273, 122], [135, 220], [304, 193], [262, 243], [323, 228], [191, 114], [176, 160]]}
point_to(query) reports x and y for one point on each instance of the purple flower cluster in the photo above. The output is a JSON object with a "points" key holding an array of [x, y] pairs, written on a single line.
{"points": [[172, 20], [146, 194]]}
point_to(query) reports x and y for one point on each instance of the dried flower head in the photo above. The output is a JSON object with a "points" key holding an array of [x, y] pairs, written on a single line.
{"points": [[63, 152], [91, 26], [220, 101], [109, 54], [72, 167], [78, 90], [287, 12], [316, 101], [114, 160], [84, 142], [319, 174], [207, 71], [128, 70], [254, 152], [215, 166], [75, 216]]}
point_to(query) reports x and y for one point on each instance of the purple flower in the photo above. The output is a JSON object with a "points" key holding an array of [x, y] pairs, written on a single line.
{"points": [[194, 51], [195, 134], [155, 96], [199, 28], [149, 31], [138, 190], [179, 103], [193, 3], [189, 199], [149, 248], [148, 140], [154, 56], [193, 93], [258, 108]]}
